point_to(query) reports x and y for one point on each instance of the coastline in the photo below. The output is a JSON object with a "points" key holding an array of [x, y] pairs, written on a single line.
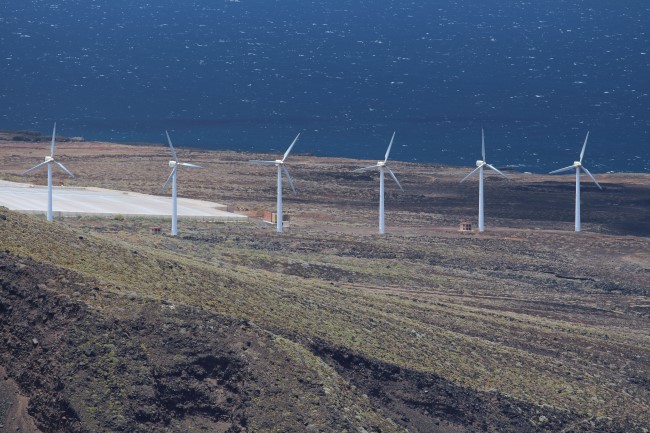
{"points": [[514, 160], [433, 198]]}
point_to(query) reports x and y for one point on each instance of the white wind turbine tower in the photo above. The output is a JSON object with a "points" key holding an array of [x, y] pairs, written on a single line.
{"points": [[382, 168], [279, 163], [172, 177], [577, 165], [479, 167], [49, 160]]}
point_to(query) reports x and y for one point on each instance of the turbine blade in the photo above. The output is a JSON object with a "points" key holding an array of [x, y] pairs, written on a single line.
{"points": [[290, 147], [584, 146], [64, 169], [53, 139], [187, 164], [470, 174], [592, 178], [168, 179], [389, 146], [36, 167], [497, 170], [260, 162], [371, 168], [483, 143], [571, 167], [171, 146], [286, 172], [394, 178]]}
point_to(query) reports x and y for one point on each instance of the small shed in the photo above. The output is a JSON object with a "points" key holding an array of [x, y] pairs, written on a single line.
{"points": [[465, 226], [272, 217], [155, 230]]}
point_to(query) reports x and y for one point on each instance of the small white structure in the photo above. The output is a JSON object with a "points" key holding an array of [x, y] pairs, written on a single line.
{"points": [[382, 167], [479, 167], [577, 165], [279, 163]]}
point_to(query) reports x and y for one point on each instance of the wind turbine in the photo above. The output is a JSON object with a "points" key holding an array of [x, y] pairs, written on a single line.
{"points": [[382, 168], [49, 160], [279, 163], [577, 165], [172, 177], [479, 167]]}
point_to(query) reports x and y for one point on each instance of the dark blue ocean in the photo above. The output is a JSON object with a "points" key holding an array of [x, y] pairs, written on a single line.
{"points": [[250, 74]]}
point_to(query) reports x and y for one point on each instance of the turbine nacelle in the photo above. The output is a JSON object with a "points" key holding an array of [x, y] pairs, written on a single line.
{"points": [[278, 162], [381, 163], [480, 163], [577, 164], [174, 164]]}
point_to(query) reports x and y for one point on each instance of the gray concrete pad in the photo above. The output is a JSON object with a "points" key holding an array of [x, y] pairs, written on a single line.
{"points": [[75, 201]]}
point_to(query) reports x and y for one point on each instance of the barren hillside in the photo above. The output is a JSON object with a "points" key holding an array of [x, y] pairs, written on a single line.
{"points": [[327, 327]]}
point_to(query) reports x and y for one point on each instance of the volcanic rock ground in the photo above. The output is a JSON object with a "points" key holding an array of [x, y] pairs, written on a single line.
{"points": [[327, 327]]}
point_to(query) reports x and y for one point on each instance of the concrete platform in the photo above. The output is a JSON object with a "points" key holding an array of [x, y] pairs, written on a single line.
{"points": [[71, 202]]}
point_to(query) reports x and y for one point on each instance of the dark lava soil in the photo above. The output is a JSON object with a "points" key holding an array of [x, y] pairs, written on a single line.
{"points": [[157, 367], [65, 356]]}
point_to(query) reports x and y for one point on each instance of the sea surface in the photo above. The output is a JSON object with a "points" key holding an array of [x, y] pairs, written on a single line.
{"points": [[251, 74]]}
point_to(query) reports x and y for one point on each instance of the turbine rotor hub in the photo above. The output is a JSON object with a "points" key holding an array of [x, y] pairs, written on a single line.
{"points": [[577, 164], [480, 163], [49, 159], [172, 164]]}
